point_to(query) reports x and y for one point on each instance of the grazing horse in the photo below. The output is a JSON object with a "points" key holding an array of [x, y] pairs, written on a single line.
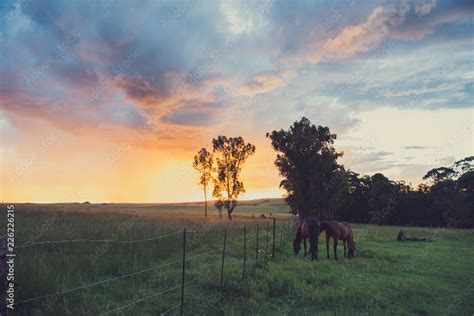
{"points": [[339, 231], [307, 228]]}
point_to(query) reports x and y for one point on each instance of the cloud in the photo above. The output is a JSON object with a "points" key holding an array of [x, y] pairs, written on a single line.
{"points": [[405, 20], [371, 157], [417, 147], [264, 83], [361, 37], [428, 15]]}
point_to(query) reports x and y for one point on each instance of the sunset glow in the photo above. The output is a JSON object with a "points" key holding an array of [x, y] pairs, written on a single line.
{"points": [[109, 101]]}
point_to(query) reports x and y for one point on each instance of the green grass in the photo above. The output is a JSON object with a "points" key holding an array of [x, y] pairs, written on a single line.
{"points": [[386, 276]]}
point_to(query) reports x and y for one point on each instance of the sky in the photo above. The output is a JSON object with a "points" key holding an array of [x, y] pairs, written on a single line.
{"points": [[109, 100]]}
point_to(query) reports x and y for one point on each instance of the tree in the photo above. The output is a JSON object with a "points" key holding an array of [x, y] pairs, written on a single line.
{"points": [[203, 164], [217, 194], [357, 203], [307, 161], [231, 153], [382, 199], [439, 174], [464, 165]]}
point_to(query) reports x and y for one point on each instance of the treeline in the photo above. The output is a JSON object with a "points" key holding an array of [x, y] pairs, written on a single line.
{"points": [[447, 199], [317, 185]]}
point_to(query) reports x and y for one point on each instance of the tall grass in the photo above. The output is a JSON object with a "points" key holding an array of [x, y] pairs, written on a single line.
{"points": [[385, 277]]}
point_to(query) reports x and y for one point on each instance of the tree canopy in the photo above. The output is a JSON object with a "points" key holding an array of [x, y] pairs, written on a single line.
{"points": [[231, 153], [316, 184], [307, 161], [203, 164]]}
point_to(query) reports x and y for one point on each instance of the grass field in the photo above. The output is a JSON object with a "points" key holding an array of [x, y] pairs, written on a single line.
{"points": [[386, 276]]}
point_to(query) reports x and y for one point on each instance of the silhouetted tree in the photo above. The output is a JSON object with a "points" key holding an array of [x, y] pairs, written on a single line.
{"points": [[357, 206], [439, 174], [232, 153], [307, 161], [203, 164], [451, 196], [464, 165], [382, 199]]}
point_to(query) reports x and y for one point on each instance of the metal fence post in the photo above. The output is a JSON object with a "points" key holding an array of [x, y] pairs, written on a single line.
{"points": [[223, 257], [245, 253], [281, 236], [274, 232], [256, 249], [266, 244], [184, 268]]}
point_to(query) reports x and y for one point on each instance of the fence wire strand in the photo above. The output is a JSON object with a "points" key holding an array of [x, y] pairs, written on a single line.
{"points": [[148, 297], [169, 310], [34, 243], [99, 282], [28, 244]]}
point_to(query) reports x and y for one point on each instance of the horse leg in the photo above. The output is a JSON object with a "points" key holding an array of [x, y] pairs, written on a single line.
{"points": [[316, 250], [344, 243], [327, 244], [304, 241], [335, 248]]}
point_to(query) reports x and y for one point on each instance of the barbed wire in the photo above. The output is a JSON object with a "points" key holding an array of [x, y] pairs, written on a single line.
{"points": [[33, 243]]}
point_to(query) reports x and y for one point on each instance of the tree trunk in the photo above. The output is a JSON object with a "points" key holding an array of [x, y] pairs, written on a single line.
{"points": [[230, 210], [205, 202]]}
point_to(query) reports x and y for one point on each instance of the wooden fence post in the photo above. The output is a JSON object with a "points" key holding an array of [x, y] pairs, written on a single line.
{"points": [[245, 253], [223, 257], [274, 232], [256, 249], [183, 275]]}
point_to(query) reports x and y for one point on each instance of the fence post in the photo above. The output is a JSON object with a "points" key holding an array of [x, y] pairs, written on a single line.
{"points": [[256, 249], [274, 232], [266, 244], [245, 252], [281, 235], [223, 257], [183, 275]]}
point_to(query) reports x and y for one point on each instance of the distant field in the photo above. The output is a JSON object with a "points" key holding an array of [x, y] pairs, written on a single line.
{"points": [[385, 277]]}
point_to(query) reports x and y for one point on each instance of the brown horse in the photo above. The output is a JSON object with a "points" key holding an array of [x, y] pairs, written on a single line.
{"points": [[307, 228], [339, 231]]}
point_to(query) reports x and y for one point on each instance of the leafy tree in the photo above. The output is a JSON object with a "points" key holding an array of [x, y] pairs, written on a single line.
{"points": [[382, 199], [232, 153], [465, 185], [464, 165], [451, 196], [203, 164], [217, 194], [439, 174], [357, 202], [307, 161]]}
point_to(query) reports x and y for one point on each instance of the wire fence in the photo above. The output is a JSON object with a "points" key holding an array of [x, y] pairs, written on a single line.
{"points": [[265, 241], [33, 243]]}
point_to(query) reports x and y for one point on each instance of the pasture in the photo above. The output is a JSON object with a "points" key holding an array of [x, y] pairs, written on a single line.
{"points": [[386, 276]]}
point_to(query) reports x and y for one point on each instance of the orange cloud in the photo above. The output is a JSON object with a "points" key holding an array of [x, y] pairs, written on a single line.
{"points": [[264, 83]]}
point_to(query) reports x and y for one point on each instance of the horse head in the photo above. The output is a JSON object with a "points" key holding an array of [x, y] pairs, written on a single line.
{"points": [[352, 248]]}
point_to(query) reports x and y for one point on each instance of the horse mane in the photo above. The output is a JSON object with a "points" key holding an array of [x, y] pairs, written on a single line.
{"points": [[323, 225]]}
